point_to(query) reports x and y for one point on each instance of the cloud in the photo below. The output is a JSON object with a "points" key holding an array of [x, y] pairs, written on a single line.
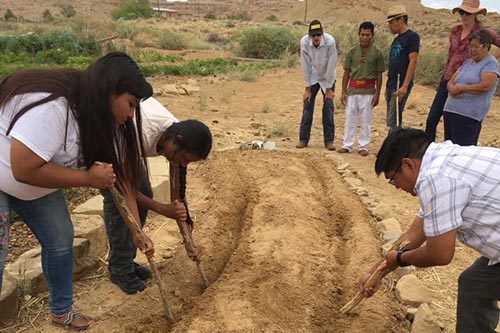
{"points": [[491, 5]]}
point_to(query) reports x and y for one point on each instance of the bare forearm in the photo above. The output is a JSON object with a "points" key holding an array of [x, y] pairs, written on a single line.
{"points": [[149, 203], [409, 73], [379, 83], [345, 81], [51, 175]]}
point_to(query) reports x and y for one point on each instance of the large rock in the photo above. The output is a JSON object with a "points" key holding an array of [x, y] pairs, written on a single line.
{"points": [[390, 228], [159, 176], [169, 89], [411, 291], [354, 182], [187, 89], [91, 227], [26, 272], [9, 300], [425, 321], [93, 206]]}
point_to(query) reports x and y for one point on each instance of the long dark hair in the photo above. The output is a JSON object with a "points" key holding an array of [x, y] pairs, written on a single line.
{"points": [[88, 95]]}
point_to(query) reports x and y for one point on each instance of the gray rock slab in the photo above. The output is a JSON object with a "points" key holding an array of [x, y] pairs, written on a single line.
{"points": [[411, 291], [390, 228], [93, 206], [425, 321], [26, 272], [91, 227]]}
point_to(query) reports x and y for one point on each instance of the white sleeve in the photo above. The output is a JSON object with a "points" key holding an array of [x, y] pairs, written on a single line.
{"points": [[332, 62], [42, 129], [305, 61]]}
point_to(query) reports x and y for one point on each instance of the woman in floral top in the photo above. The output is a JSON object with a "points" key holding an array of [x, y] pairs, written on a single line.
{"points": [[458, 52]]}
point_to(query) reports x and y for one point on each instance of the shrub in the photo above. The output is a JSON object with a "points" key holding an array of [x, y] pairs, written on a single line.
{"points": [[265, 42], [272, 18], [230, 24], [47, 15], [133, 9], [241, 16], [127, 30], [430, 66], [67, 10], [214, 38], [172, 41], [9, 15], [210, 16]]}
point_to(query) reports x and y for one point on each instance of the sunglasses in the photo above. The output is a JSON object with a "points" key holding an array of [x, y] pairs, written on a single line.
{"points": [[463, 12]]}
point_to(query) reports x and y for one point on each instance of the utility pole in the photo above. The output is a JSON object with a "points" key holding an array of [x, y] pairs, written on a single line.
{"points": [[305, 11]]}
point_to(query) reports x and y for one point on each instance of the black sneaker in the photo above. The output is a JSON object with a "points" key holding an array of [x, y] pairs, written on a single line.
{"points": [[128, 282], [142, 272]]}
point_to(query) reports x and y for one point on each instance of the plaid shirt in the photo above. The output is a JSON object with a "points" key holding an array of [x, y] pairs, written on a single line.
{"points": [[458, 51], [459, 189]]}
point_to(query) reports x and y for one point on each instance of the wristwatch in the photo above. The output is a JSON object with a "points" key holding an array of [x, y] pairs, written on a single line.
{"points": [[401, 263]]}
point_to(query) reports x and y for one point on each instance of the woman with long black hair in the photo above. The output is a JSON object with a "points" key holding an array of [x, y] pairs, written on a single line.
{"points": [[53, 121]]}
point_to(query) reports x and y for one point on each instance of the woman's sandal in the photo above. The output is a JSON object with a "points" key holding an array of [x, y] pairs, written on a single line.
{"points": [[73, 320]]}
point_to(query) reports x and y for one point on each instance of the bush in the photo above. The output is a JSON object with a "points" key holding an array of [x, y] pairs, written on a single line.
{"points": [[210, 16], [127, 30], [266, 42], [230, 24], [172, 41], [272, 18], [32, 43], [241, 16], [47, 15], [9, 15], [133, 9], [430, 66], [215, 38], [67, 10]]}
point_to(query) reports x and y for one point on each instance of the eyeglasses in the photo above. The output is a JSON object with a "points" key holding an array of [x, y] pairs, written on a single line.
{"points": [[463, 12], [392, 180]]}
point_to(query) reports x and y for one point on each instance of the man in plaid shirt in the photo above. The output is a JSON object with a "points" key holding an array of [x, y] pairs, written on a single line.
{"points": [[459, 193]]}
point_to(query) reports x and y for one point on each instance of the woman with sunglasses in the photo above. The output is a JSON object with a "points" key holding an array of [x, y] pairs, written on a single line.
{"points": [[458, 52], [181, 143]]}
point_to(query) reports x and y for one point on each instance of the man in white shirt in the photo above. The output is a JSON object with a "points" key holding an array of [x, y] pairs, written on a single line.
{"points": [[318, 56], [459, 193]]}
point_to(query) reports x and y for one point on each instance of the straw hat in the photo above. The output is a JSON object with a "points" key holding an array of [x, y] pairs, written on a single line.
{"points": [[396, 11], [470, 6]]}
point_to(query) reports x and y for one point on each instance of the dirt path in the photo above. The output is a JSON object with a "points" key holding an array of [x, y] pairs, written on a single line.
{"points": [[284, 237]]}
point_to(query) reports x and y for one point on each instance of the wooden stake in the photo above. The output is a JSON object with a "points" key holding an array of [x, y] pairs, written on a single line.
{"points": [[380, 271], [136, 229], [183, 226]]}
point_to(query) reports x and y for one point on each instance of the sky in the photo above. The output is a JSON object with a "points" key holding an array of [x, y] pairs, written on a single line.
{"points": [[490, 5]]}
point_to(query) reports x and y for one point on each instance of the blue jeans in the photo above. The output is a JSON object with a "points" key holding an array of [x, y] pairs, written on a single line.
{"points": [[436, 111], [392, 114], [461, 130], [327, 117], [4, 232], [49, 220], [122, 250]]}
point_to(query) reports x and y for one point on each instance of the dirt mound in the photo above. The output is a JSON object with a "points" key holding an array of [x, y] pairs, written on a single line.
{"points": [[284, 240]]}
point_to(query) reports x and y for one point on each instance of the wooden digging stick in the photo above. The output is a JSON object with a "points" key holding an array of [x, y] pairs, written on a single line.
{"points": [[183, 226], [379, 272], [135, 229]]}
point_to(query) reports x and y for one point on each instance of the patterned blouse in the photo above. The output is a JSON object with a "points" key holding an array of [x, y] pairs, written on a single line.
{"points": [[458, 51]]}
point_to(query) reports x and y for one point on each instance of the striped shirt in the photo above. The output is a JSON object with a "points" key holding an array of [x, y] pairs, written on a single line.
{"points": [[459, 189]]}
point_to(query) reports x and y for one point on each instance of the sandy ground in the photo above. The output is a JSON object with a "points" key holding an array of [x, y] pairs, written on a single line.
{"points": [[284, 237]]}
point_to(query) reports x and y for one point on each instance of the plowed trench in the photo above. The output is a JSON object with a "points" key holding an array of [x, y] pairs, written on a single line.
{"points": [[284, 240]]}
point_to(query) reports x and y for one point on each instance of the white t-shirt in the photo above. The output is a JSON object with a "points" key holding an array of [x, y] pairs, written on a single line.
{"points": [[155, 120], [42, 129]]}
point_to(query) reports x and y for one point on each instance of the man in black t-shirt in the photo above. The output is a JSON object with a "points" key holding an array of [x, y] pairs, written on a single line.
{"points": [[402, 64]]}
